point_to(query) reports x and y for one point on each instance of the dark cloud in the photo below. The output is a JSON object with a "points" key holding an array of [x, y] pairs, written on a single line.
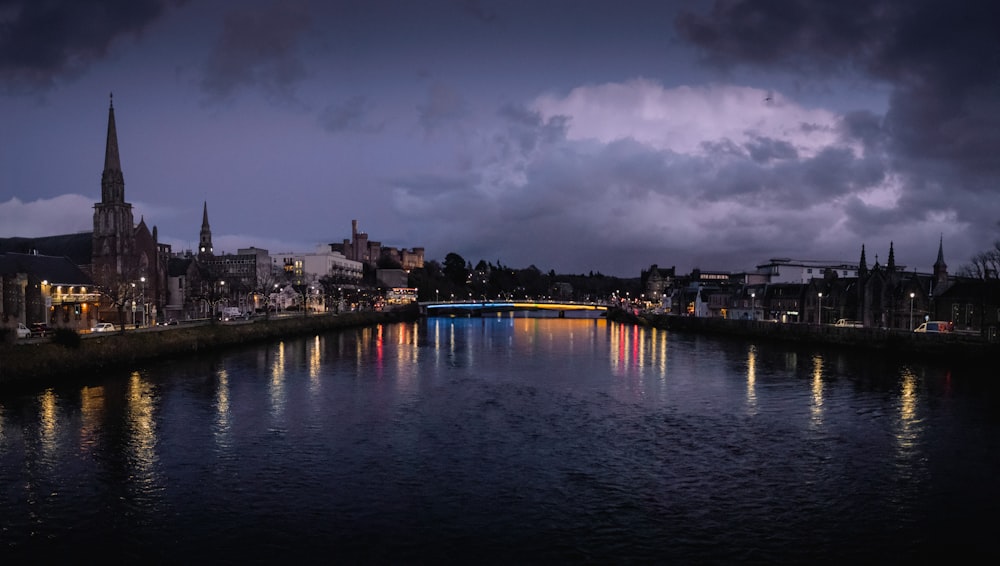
{"points": [[259, 48], [941, 60], [527, 129], [41, 41], [352, 115], [865, 127], [806, 34], [765, 150], [938, 140]]}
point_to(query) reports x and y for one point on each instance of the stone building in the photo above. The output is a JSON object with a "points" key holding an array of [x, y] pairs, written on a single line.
{"points": [[125, 260]]}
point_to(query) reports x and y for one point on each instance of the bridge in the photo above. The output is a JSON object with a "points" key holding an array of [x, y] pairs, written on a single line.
{"points": [[477, 308]]}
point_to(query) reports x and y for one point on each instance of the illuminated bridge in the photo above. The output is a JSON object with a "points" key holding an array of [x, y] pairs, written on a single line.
{"points": [[471, 308]]}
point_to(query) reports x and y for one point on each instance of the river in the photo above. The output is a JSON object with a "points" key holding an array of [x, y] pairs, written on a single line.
{"points": [[505, 440]]}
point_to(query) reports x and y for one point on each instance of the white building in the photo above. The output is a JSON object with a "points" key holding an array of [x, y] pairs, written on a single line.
{"points": [[308, 267], [784, 270]]}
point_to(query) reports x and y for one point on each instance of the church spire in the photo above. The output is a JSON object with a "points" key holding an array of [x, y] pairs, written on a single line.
{"points": [[940, 267], [113, 245], [205, 237], [112, 180], [862, 263], [891, 265]]}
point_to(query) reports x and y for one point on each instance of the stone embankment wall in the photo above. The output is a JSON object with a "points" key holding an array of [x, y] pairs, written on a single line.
{"points": [[945, 346], [40, 362]]}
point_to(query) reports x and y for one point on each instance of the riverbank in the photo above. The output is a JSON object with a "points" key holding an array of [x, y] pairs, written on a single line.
{"points": [[43, 362], [965, 348]]}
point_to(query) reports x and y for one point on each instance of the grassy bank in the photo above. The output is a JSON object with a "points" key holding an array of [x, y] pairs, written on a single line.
{"points": [[34, 363]]}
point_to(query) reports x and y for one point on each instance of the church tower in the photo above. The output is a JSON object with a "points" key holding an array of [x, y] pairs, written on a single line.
{"points": [[113, 240], [205, 237]]}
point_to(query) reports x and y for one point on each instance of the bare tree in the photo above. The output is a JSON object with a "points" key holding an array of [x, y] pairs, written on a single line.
{"points": [[985, 265], [214, 290], [268, 281], [118, 290]]}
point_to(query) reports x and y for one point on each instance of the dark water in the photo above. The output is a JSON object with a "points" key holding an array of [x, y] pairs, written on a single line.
{"points": [[509, 441]]}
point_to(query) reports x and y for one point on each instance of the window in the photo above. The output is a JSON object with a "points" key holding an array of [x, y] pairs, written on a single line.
{"points": [[968, 315]]}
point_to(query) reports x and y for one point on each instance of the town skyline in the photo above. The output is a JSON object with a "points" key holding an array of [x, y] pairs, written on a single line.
{"points": [[600, 139]]}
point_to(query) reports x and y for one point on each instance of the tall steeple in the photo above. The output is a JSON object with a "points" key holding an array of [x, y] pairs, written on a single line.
{"points": [[113, 246], [891, 265], [863, 264], [205, 237], [112, 180], [940, 267]]}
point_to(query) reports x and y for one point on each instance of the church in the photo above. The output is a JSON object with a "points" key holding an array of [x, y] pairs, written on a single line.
{"points": [[122, 265]]}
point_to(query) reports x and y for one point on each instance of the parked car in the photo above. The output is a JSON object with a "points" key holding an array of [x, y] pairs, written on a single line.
{"points": [[40, 329], [103, 327], [935, 326], [847, 323], [22, 331]]}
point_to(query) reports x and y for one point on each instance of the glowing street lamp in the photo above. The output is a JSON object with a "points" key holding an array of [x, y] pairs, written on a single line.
{"points": [[753, 306], [911, 311], [819, 309], [143, 281]]}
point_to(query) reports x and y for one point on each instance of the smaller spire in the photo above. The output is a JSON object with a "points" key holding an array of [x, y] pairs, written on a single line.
{"points": [[205, 236]]}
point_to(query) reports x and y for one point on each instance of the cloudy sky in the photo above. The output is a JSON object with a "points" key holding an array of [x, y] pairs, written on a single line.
{"points": [[573, 135]]}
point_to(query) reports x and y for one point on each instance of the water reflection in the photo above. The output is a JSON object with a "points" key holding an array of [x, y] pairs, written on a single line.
{"points": [[752, 379], [92, 411], [315, 360], [635, 349], [141, 429], [49, 422], [817, 391], [407, 355], [222, 409], [908, 429]]}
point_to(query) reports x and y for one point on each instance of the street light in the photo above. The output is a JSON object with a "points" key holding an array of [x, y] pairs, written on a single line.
{"points": [[819, 309], [133, 305], [143, 280], [911, 311], [753, 306]]}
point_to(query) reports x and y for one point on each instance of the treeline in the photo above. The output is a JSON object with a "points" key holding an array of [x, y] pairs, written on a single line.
{"points": [[459, 280]]}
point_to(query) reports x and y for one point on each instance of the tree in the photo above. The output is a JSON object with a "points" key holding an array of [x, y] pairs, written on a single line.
{"points": [[455, 270], [214, 290], [985, 265], [268, 281], [388, 262], [118, 290]]}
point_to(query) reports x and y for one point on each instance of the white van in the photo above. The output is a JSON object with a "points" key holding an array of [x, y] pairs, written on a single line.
{"points": [[231, 313], [846, 323], [937, 326]]}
